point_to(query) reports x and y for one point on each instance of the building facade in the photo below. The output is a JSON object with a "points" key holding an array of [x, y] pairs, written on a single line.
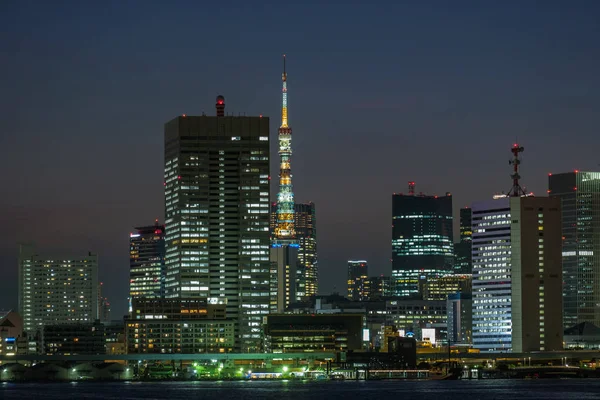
{"points": [[439, 288], [284, 277], [358, 280], [579, 193], [517, 274], [147, 261], [217, 215], [422, 240], [56, 290], [11, 330]]}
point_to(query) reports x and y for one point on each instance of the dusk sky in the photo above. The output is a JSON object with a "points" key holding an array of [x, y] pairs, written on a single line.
{"points": [[380, 93]]}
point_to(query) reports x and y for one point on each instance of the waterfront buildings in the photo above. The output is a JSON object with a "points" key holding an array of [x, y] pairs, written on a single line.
{"points": [[422, 239], [358, 280], [217, 215], [579, 194], [184, 325], [517, 274], [147, 261], [56, 290], [463, 263]]}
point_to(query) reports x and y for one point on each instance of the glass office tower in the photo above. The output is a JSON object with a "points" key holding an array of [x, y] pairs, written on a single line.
{"points": [[422, 240]]}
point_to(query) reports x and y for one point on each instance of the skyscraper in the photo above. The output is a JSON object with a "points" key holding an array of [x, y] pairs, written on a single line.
{"points": [[358, 280], [217, 215], [380, 287], [463, 263], [147, 261], [56, 290], [517, 271], [579, 194], [422, 239], [284, 251], [306, 232]]}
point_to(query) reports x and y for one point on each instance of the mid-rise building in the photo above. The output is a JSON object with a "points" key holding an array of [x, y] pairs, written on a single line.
{"points": [[358, 280], [463, 264], [460, 318], [56, 290], [182, 326], [579, 194], [418, 318], [217, 215], [422, 239], [517, 274], [147, 261]]}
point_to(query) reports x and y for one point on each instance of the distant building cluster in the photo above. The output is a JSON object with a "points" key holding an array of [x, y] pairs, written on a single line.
{"points": [[231, 271]]}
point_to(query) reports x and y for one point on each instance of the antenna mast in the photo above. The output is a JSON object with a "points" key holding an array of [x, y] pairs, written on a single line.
{"points": [[516, 189]]}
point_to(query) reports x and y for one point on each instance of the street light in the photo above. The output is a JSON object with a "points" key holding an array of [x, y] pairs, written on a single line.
{"points": [[285, 368]]}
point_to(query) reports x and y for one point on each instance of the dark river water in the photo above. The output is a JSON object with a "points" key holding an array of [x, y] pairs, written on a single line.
{"points": [[383, 390]]}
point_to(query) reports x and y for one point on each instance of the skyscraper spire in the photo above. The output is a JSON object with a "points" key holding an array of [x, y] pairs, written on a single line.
{"points": [[285, 232]]}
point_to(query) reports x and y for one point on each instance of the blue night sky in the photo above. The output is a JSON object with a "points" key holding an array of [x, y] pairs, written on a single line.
{"points": [[380, 93]]}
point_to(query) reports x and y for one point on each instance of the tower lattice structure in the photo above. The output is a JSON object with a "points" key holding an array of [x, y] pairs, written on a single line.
{"points": [[285, 231]]}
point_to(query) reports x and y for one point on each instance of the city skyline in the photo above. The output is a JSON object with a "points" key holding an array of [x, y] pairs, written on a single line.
{"points": [[95, 168]]}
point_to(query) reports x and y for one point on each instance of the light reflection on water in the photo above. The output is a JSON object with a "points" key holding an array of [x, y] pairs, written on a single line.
{"points": [[426, 390]]}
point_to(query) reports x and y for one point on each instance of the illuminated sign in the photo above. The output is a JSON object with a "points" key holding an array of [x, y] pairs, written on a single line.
{"points": [[366, 336], [428, 335], [410, 334]]}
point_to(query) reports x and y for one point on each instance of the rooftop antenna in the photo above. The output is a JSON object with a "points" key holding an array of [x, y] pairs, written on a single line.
{"points": [[411, 188], [516, 189]]}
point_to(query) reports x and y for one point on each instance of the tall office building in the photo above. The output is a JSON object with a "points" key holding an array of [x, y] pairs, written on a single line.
{"points": [[422, 239], [56, 290], [287, 276], [463, 263], [460, 318], [358, 280], [306, 233], [147, 261], [217, 215], [579, 193]]}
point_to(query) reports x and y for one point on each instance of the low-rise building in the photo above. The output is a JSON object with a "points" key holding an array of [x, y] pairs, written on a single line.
{"points": [[297, 333], [73, 339]]}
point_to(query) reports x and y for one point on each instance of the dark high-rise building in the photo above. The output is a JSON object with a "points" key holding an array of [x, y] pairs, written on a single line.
{"points": [[217, 215], [579, 194], [380, 287], [422, 239], [463, 263], [358, 280], [306, 233], [147, 261]]}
